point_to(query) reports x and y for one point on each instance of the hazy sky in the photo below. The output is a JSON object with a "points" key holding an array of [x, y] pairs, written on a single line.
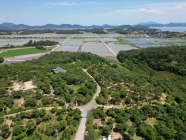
{"points": [[91, 12]]}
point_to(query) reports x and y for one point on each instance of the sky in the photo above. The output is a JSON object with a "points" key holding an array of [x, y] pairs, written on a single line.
{"points": [[91, 12]]}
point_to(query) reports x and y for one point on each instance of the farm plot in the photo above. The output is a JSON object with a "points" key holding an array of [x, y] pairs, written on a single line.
{"points": [[79, 36], [117, 47], [89, 35], [96, 48], [92, 40], [115, 35], [21, 52], [17, 42], [154, 41], [103, 35], [109, 40], [27, 57], [73, 42], [67, 48]]}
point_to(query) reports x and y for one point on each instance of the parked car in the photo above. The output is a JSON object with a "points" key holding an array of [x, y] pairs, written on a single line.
{"points": [[109, 137], [103, 138]]}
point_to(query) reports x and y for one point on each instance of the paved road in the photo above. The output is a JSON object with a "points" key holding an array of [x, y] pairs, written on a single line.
{"points": [[84, 110]]}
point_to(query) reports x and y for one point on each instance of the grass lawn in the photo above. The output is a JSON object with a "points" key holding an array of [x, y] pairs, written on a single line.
{"points": [[21, 52]]}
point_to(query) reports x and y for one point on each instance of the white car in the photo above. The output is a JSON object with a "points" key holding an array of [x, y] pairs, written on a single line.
{"points": [[103, 138], [109, 137]]}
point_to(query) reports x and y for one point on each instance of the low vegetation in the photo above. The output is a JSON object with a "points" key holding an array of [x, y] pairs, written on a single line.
{"points": [[18, 52]]}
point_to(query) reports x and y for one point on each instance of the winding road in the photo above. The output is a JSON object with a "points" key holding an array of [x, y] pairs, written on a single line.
{"points": [[84, 110]]}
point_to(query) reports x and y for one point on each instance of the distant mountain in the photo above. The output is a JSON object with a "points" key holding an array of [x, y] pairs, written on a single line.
{"points": [[7, 24], [53, 26], [154, 24], [125, 26], [146, 23]]}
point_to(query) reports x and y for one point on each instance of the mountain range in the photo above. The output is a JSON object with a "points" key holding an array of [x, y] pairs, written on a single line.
{"points": [[155, 24], [7, 25]]}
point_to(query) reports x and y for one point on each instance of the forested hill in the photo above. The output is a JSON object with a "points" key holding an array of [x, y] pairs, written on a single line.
{"points": [[171, 59]]}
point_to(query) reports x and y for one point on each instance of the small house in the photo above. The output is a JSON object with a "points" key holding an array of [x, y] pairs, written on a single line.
{"points": [[58, 69]]}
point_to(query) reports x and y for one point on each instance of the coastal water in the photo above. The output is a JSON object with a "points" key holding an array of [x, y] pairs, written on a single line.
{"points": [[177, 29]]}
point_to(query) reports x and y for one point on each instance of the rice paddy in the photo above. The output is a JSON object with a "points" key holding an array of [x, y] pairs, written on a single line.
{"points": [[12, 53]]}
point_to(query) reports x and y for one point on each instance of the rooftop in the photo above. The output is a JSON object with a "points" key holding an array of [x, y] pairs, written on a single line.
{"points": [[58, 69]]}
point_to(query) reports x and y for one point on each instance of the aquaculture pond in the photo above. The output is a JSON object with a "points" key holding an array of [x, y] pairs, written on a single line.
{"points": [[96, 48], [118, 47], [17, 42], [67, 48], [73, 42], [151, 41]]}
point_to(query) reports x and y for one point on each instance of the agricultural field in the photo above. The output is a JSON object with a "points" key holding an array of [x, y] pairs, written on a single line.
{"points": [[73, 42], [67, 48], [11, 53], [25, 57], [90, 35], [79, 36], [96, 48], [154, 41], [17, 42], [109, 39], [118, 47], [92, 39]]}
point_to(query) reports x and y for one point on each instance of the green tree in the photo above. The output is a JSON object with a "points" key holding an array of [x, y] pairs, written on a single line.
{"points": [[110, 121], [30, 126], [1, 59], [49, 129], [30, 102], [63, 124], [83, 90], [5, 131], [131, 131], [95, 125], [106, 130], [16, 130]]}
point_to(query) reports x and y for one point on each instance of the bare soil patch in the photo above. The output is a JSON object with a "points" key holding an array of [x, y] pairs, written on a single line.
{"points": [[26, 85], [163, 98]]}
